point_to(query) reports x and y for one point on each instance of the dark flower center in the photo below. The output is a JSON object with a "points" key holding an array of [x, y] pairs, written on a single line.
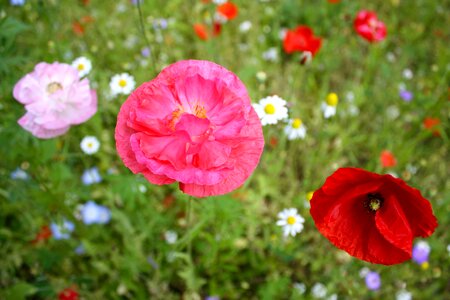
{"points": [[373, 202]]}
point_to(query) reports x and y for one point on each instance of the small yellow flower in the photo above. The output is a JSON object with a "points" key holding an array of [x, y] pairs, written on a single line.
{"points": [[425, 265], [332, 99], [309, 195]]}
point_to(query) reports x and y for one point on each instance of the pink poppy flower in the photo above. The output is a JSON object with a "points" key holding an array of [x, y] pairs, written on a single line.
{"points": [[194, 124], [369, 27], [55, 98]]}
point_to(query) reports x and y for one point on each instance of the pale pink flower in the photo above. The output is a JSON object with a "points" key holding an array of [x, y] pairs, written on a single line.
{"points": [[55, 98], [194, 124]]}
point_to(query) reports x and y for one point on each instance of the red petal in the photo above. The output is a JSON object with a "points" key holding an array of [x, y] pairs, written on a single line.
{"points": [[393, 225]]}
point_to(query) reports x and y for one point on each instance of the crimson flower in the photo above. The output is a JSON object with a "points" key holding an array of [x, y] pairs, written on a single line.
{"points": [[68, 294], [387, 159], [302, 39], [372, 217], [369, 27]]}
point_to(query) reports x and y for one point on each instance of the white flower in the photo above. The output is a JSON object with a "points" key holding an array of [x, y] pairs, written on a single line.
{"points": [[407, 74], [271, 54], [332, 297], [171, 237], [282, 33], [90, 145], [403, 295], [319, 290], [122, 84], [291, 221], [218, 2], [363, 272], [261, 76], [300, 287], [295, 129], [142, 188], [245, 26], [271, 110], [448, 249], [83, 66], [220, 18], [329, 107], [390, 57]]}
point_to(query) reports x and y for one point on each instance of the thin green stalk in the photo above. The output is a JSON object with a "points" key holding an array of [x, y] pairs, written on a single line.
{"points": [[142, 26]]}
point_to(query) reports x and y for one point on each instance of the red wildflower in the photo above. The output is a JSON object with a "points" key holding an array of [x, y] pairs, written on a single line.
{"points": [[44, 234], [228, 10], [301, 39], [77, 28], [387, 159], [201, 31], [372, 217], [431, 124], [369, 27], [68, 294], [217, 28]]}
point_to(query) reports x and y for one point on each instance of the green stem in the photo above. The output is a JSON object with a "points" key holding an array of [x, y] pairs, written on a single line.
{"points": [[141, 22]]}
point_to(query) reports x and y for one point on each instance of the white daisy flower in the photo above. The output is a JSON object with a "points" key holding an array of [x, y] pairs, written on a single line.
{"points": [[271, 110], [300, 287], [271, 54], [171, 237], [245, 26], [329, 107], [403, 295], [83, 66], [332, 297], [90, 145], [319, 290], [295, 129], [408, 74], [291, 221], [122, 84]]}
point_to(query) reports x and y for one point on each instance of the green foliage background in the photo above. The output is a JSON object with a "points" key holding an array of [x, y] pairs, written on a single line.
{"points": [[231, 246]]}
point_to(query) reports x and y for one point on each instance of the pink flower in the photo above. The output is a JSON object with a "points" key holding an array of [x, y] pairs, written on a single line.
{"points": [[193, 124], [55, 98], [369, 27]]}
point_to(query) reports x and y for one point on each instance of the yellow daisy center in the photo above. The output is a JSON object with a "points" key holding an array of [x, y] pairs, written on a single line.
{"points": [[296, 123], [53, 87], [122, 83], [332, 99], [291, 220], [269, 109], [90, 145], [80, 67]]}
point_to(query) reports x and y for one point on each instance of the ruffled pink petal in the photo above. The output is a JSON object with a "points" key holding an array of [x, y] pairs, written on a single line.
{"points": [[27, 123], [246, 155], [123, 145]]}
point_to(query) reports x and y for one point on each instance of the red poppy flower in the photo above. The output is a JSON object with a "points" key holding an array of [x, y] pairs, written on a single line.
{"points": [[387, 159], [431, 124], [68, 294], [77, 28], [369, 27], [228, 10], [44, 234], [201, 31], [301, 39], [372, 217]]}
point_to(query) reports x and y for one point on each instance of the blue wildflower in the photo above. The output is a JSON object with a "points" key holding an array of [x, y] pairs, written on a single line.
{"points": [[62, 231], [93, 213], [19, 174], [91, 176], [17, 2]]}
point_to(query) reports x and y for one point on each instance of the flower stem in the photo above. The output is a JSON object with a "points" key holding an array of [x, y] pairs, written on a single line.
{"points": [[141, 22]]}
